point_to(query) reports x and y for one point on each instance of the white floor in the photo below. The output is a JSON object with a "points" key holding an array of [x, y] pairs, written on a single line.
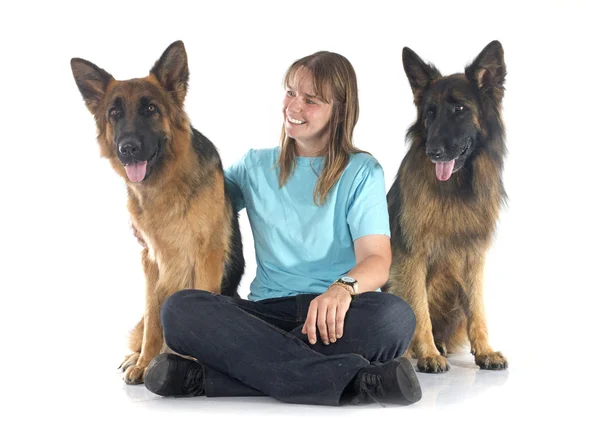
{"points": [[527, 394]]}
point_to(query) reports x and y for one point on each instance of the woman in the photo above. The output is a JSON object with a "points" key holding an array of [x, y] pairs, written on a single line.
{"points": [[314, 329]]}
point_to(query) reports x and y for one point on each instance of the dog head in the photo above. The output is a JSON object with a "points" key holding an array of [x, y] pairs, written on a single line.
{"points": [[135, 117], [453, 110]]}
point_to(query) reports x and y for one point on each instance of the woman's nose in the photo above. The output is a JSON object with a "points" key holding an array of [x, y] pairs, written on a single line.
{"points": [[294, 105]]}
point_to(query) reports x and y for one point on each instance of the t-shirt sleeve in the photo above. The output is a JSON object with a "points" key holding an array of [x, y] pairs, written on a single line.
{"points": [[235, 179], [367, 210]]}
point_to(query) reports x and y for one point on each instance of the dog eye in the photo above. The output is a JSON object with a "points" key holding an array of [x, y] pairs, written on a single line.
{"points": [[430, 112], [151, 108], [458, 107], [113, 112]]}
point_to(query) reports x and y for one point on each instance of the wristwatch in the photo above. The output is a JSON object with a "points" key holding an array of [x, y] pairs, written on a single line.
{"points": [[349, 284]]}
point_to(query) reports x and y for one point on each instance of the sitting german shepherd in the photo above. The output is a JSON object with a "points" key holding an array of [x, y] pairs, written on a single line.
{"points": [[444, 205], [176, 193]]}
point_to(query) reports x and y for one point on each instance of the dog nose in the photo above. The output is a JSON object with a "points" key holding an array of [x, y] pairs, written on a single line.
{"points": [[130, 147], [436, 153]]}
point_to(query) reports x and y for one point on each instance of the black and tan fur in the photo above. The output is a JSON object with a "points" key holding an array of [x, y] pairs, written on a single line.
{"points": [[443, 227], [179, 203]]}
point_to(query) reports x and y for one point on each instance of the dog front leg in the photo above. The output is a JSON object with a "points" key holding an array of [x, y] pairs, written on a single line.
{"points": [[208, 270], [408, 280], [135, 344], [142, 341], [485, 357]]}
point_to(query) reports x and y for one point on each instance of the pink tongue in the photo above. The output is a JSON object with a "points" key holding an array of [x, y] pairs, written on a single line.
{"points": [[136, 171], [443, 170]]}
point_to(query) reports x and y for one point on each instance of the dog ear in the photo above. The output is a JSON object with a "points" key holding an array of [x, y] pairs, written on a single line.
{"points": [[418, 72], [488, 71], [92, 82], [172, 72]]}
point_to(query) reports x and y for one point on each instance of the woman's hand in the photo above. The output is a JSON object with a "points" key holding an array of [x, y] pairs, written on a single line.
{"points": [[327, 312]]}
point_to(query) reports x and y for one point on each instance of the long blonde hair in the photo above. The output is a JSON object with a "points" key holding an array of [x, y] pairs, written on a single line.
{"points": [[334, 81]]}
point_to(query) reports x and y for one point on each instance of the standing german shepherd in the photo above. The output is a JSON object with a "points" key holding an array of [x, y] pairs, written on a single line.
{"points": [[175, 185], [444, 205]]}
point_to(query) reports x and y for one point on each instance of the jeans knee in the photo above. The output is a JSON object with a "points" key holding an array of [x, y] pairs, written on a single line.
{"points": [[399, 316], [172, 306], [179, 310], [181, 304], [403, 311], [392, 322]]}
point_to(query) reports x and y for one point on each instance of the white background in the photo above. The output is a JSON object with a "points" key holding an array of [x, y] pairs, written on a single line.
{"points": [[72, 283]]}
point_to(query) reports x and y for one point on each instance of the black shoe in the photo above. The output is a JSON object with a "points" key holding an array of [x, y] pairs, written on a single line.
{"points": [[394, 381], [172, 375]]}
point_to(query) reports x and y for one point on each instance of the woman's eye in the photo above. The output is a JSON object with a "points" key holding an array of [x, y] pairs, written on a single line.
{"points": [[310, 102], [290, 93]]}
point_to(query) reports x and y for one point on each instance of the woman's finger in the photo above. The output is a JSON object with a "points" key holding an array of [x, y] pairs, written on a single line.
{"points": [[331, 323], [310, 324], [340, 316], [322, 322]]}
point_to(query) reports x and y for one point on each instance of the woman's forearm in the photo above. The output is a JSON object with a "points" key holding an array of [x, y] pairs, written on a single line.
{"points": [[371, 273]]}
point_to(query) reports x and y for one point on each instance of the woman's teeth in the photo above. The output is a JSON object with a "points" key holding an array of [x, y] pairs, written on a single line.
{"points": [[295, 122]]}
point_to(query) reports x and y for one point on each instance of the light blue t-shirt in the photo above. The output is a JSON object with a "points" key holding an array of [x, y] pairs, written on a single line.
{"points": [[301, 247]]}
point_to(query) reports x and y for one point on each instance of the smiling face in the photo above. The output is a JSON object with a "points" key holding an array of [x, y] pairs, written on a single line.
{"points": [[306, 114]]}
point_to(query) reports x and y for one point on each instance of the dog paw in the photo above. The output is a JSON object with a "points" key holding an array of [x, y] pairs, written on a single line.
{"points": [[433, 364], [134, 375], [130, 360], [491, 361]]}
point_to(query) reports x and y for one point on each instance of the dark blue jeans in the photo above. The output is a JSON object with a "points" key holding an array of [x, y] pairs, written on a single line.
{"points": [[257, 348]]}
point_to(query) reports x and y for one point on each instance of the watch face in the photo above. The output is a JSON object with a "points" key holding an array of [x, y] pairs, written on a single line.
{"points": [[348, 279]]}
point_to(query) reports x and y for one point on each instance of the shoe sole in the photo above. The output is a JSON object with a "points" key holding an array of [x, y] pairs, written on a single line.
{"points": [[408, 381], [156, 376]]}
